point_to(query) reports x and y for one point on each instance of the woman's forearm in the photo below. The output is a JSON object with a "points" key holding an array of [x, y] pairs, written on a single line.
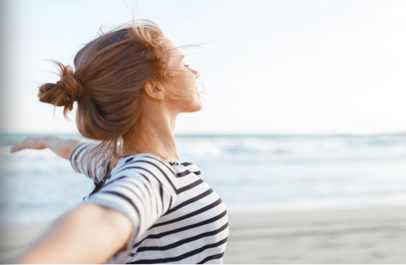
{"points": [[87, 234], [61, 146]]}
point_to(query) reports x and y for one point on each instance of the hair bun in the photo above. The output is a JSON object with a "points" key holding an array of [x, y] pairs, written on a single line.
{"points": [[65, 92]]}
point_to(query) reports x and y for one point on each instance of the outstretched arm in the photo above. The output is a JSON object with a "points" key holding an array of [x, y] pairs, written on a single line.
{"points": [[61, 146], [88, 234]]}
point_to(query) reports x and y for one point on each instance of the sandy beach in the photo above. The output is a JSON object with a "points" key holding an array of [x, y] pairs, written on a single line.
{"points": [[351, 236], [346, 236]]}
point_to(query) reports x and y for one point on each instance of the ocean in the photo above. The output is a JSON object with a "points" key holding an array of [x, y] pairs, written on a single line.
{"points": [[251, 173]]}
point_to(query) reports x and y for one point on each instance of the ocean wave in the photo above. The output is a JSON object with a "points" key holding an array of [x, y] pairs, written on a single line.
{"points": [[266, 173]]}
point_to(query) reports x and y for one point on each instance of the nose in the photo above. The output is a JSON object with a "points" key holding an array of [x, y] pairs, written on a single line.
{"points": [[196, 73]]}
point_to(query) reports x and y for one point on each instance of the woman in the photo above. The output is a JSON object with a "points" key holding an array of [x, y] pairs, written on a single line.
{"points": [[147, 206]]}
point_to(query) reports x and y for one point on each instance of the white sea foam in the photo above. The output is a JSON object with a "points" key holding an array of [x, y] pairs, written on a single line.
{"points": [[267, 173]]}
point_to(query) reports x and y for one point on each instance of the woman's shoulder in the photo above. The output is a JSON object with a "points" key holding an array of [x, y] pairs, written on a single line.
{"points": [[145, 167], [86, 159], [154, 162], [171, 175], [144, 161]]}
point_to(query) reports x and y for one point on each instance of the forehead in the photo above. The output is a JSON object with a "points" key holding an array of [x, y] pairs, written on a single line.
{"points": [[175, 55]]}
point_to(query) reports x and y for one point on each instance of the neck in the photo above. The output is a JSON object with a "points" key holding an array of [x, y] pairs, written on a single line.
{"points": [[154, 135]]}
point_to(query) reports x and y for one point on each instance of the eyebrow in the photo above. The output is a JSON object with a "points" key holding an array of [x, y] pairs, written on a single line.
{"points": [[182, 57]]}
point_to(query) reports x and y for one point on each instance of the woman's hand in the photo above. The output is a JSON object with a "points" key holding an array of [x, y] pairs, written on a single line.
{"points": [[37, 143], [61, 146]]}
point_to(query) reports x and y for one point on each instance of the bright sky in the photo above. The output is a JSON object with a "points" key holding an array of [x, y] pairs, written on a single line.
{"points": [[267, 66]]}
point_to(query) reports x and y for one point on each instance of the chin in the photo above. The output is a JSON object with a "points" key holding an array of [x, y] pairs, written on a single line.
{"points": [[193, 108], [199, 106]]}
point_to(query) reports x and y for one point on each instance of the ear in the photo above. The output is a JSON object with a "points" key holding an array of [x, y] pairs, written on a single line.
{"points": [[154, 90]]}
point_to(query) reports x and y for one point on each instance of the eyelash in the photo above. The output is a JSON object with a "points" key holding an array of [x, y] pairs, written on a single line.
{"points": [[187, 65]]}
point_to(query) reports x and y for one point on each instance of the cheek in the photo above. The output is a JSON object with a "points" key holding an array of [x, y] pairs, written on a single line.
{"points": [[187, 99], [189, 81], [183, 82]]}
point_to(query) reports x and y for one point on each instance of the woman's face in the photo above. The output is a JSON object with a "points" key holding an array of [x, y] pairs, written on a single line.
{"points": [[182, 81]]}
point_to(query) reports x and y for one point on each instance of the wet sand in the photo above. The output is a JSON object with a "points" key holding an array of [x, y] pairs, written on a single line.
{"points": [[347, 236], [350, 236]]}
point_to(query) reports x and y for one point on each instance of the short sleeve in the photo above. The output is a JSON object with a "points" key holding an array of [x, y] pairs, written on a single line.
{"points": [[83, 159], [141, 189]]}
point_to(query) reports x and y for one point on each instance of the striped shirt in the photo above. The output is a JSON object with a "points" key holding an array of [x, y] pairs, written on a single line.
{"points": [[176, 216]]}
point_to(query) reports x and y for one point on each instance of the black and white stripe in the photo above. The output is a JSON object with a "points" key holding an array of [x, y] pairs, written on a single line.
{"points": [[177, 217]]}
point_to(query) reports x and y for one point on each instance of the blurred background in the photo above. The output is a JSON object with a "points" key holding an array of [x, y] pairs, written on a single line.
{"points": [[304, 101]]}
